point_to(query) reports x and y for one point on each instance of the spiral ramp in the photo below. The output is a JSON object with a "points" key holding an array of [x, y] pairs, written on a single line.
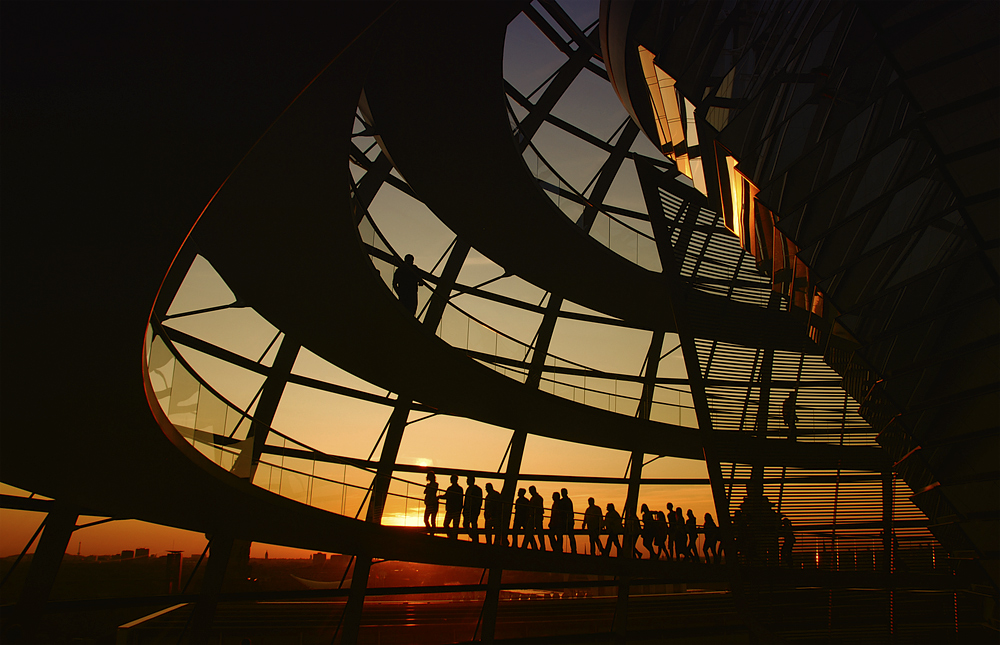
{"points": [[282, 231]]}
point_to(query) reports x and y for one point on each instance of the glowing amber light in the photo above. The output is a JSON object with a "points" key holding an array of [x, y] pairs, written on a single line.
{"points": [[675, 124]]}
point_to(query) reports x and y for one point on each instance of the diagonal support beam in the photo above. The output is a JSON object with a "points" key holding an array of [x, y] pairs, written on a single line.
{"points": [[517, 441], [390, 449], [620, 624]]}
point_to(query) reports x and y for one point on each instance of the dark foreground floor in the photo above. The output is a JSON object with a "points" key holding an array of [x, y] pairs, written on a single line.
{"points": [[801, 615]]}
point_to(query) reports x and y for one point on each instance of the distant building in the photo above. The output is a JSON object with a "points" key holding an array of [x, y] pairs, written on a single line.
{"points": [[318, 558], [128, 554], [142, 553]]}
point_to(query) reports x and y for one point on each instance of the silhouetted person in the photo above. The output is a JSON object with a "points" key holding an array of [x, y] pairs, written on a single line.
{"points": [[648, 530], [671, 522], [679, 533], [537, 517], [759, 530], [557, 524], [473, 505], [660, 533], [491, 513], [613, 525], [570, 518], [788, 413], [405, 283], [711, 539], [431, 501], [787, 535], [593, 519], [632, 534], [692, 535], [524, 519], [453, 507]]}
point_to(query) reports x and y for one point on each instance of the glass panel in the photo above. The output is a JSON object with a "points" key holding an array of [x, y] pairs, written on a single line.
{"points": [[625, 191], [336, 424], [311, 365], [201, 288], [235, 384], [612, 349], [410, 227], [543, 455], [211, 413], [161, 371], [242, 331], [528, 57], [590, 103], [577, 161], [447, 441], [183, 406]]}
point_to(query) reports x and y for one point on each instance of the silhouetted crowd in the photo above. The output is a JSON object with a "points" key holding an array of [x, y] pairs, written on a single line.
{"points": [[670, 535], [757, 527]]}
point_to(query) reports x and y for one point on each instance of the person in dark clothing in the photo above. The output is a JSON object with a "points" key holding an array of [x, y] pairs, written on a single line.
{"points": [[593, 519], [711, 539], [431, 501], [648, 531], [660, 533], [692, 536], [405, 283], [471, 508], [671, 522], [453, 507], [570, 519], [523, 519], [491, 513], [679, 532], [613, 525], [557, 524], [537, 517], [632, 534]]}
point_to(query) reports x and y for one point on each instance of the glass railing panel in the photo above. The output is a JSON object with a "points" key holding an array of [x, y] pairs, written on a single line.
{"points": [[267, 476], [183, 407], [212, 413], [294, 485], [404, 505], [161, 370], [624, 241], [327, 495], [648, 257], [224, 457], [454, 327], [511, 349], [481, 339]]}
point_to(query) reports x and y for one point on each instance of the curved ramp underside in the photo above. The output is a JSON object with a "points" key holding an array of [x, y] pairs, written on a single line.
{"points": [[436, 95], [282, 234]]}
